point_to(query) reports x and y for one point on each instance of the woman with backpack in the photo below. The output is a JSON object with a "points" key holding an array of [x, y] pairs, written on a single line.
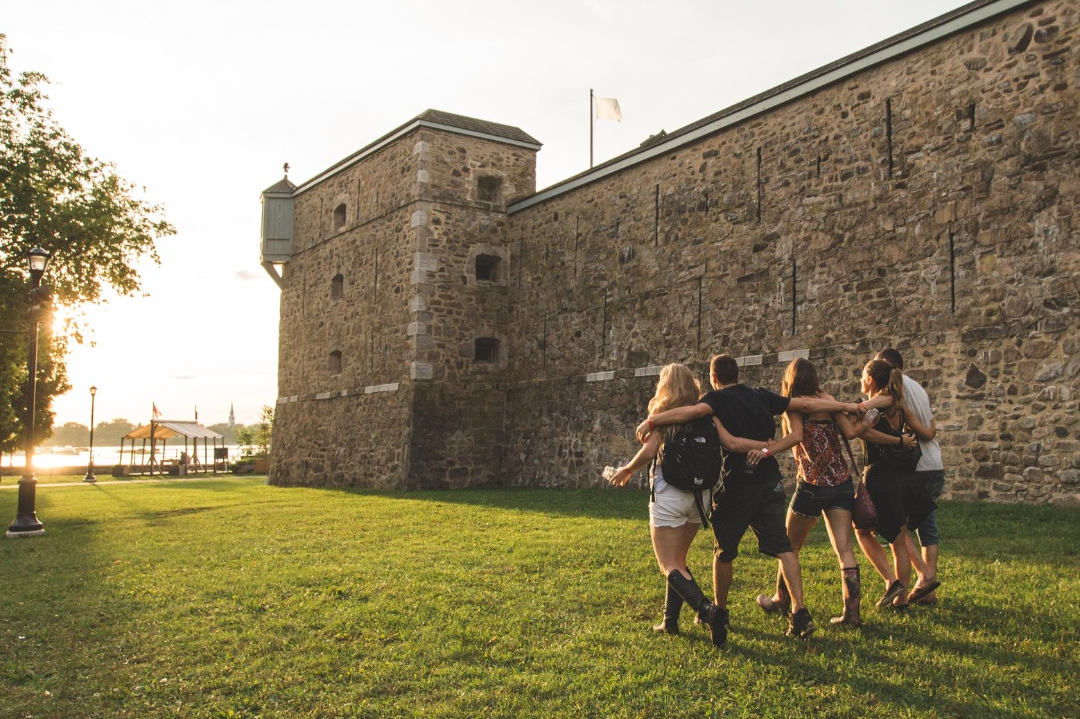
{"points": [[825, 487], [674, 517]]}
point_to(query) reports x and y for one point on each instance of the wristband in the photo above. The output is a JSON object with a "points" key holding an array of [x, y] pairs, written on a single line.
{"points": [[649, 422], [765, 451]]}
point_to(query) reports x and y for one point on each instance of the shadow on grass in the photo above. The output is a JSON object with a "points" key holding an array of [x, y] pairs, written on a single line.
{"points": [[627, 504]]}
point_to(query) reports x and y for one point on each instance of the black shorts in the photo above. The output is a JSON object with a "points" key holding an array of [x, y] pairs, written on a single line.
{"points": [[810, 500], [760, 507], [900, 501]]}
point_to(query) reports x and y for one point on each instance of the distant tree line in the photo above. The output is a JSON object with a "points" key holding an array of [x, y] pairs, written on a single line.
{"points": [[108, 434]]}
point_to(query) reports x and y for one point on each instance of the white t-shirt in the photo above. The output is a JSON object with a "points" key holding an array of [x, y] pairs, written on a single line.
{"points": [[917, 402]]}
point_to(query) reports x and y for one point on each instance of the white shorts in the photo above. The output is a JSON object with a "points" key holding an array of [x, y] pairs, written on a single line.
{"points": [[674, 507]]}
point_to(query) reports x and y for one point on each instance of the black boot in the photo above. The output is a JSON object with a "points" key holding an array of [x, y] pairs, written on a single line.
{"points": [[672, 607], [710, 614]]}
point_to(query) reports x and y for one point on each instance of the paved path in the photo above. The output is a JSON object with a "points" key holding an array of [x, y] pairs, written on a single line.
{"points": [[13, 482]]}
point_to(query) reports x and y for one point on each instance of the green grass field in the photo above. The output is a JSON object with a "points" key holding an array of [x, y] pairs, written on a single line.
{"points": [[229, 598]]}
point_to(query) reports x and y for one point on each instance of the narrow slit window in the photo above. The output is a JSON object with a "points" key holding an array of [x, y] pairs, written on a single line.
{"points": [[337, 287], [486, 349], [339, 217], [487, 267], [335, 362]]}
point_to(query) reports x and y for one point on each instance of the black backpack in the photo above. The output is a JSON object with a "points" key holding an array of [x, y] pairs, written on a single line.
{"points": [[693, 460]]}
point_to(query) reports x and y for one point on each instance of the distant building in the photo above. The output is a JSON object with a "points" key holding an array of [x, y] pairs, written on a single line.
{"points": [[445, 325]]}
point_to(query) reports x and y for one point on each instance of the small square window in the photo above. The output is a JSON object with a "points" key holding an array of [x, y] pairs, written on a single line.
{"points": [[488, 189], [486, 349], [487, 267]]}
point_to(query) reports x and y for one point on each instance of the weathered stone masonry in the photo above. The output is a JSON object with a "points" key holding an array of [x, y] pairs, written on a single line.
{"points": [[921, 194]]}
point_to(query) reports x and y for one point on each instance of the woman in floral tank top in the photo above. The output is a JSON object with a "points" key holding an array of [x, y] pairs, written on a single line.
{"points": [[825, 486]]}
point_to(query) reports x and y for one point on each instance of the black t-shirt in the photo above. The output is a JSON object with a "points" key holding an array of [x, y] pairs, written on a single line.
{"points": [[748, 412]]}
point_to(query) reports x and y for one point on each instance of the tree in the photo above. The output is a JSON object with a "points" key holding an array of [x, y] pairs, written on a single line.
{"points": [[225, 430], [70, 434], [54, 195], [109, 434], [254, 439]]}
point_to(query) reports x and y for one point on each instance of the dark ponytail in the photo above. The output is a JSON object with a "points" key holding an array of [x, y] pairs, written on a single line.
{"points": [[888, 378]]}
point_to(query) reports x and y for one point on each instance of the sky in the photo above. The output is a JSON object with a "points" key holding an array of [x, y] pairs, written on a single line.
{"points": [[202, 102]]}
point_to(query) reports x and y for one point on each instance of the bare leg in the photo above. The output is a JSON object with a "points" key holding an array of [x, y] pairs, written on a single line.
{"points": [[873, 550], [789, 563], [838, 523], [917, 560], [722, 574], [930, 558], [798, 528], [671, 545], [902, 564]]}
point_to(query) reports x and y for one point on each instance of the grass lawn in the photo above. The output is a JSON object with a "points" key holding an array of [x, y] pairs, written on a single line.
{"points": [[229, 598]]}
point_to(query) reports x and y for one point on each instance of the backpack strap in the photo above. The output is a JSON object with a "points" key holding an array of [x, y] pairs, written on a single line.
{"points": [[699, 501], [652, 475]]}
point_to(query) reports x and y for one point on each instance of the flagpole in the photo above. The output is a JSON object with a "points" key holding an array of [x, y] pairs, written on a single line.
{"points": [[590, 128]]}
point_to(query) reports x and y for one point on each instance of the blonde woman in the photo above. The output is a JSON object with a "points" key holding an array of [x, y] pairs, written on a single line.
{"points": [[673, 513]]}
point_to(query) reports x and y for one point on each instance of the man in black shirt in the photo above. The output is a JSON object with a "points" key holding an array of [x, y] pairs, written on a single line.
{"points": [[753, 494]]}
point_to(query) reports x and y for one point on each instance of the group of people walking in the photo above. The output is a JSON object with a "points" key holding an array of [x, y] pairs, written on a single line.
{"points": [[892, 497]]}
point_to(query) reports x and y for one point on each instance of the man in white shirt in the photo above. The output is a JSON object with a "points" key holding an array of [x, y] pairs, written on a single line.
{"points": [[930, 472]]}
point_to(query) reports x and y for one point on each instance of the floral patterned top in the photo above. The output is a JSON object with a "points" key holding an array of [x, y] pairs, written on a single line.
{"points": [[819, 457]]}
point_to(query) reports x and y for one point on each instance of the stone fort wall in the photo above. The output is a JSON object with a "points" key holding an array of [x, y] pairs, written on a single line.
{"points": [[926, 202]]}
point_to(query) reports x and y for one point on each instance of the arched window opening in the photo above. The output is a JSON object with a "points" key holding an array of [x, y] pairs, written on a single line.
{"points": [[339, 217], [337, 287], [335, 362]]}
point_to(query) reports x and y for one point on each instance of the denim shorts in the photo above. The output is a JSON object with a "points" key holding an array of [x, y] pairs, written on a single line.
{"points": [[934, 482], [810, 500]]}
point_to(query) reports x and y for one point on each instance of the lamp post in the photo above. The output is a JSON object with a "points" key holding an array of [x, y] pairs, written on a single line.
{"points": [[90, 466], [26, 523]]}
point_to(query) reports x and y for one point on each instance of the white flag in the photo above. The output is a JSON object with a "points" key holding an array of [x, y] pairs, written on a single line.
{"points": [[607, 108]]}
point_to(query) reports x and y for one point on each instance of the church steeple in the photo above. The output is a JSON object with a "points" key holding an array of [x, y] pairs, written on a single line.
{"points": [[232, 415]]}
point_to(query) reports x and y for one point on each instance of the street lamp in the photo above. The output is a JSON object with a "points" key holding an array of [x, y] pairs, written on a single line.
{"points": [[26, 523], [90, 466]]}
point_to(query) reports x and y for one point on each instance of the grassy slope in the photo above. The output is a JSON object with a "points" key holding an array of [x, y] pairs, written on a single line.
{"points": [[229, 598]]}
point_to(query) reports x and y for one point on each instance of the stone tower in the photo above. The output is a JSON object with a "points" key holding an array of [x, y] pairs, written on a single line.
{"points": [[394, 307]]}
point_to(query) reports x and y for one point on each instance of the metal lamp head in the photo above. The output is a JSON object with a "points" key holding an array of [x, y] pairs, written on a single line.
{"points": [[93, 391], [37, 258]]}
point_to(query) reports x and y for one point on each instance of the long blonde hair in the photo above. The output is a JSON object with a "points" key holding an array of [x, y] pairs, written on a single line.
{"points": [[677, 387]]}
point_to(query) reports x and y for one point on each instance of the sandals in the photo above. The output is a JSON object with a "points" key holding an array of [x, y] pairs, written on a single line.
{"points": [[921, 590], [895, 590]]}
